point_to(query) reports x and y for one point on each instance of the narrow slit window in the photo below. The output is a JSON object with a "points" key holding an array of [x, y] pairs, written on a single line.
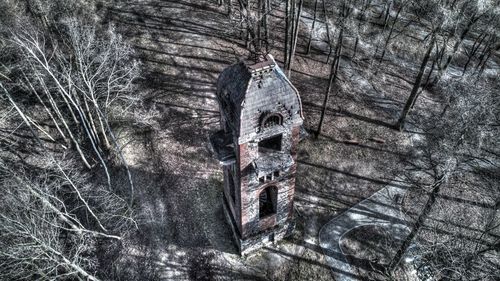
{"points": [[232, 186]]}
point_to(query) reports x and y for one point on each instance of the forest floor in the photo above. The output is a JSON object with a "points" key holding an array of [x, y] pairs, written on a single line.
{"points": [[183, 45]]}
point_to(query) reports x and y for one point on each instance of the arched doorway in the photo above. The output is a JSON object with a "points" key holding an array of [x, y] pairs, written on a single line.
{"points": [[268, 201]]}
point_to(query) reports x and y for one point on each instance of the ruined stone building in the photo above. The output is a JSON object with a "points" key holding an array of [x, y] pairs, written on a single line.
{"points": [[261, 117]]}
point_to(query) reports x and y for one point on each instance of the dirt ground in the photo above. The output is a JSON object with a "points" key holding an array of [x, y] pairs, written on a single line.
{"points": [[182, 46]]}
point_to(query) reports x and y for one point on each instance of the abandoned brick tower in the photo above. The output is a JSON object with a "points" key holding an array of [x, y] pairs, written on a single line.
{"points": [[261, 117]]}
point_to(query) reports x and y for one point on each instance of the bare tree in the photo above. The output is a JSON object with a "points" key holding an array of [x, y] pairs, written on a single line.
{"points": [[462, 18], [344, 13], [315, 16], [49, 222], [470, 53], [457, 145], [77, 82], [294, 38], [254, 25], [327, 27], [391, 29], [416, 86]]}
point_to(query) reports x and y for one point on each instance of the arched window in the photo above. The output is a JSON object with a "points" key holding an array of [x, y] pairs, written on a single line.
{"points": [[272, 120], [267, 201]]}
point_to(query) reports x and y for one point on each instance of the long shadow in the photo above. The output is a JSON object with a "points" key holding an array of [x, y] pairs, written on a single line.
{"points": [[329, 194], [175, 22], [465, 201], [367, 119], [376, 181], [214, 50], [346, 113], [480, 231], [339, 201], [158, 5], [169, 90], [332, 254], [301, 72], [160, 79], [174, 25], [456, 235], [178, 55], [211, 72], [214, 112], [366, 146]]}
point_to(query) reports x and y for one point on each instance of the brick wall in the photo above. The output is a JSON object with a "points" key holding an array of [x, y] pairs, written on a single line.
{"points": [[266, 93]]}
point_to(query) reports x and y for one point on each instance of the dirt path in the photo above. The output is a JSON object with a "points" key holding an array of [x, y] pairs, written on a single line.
{"points": [[381, 209]]}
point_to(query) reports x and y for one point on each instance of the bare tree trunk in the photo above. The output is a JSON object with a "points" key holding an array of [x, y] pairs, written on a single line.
{"points": [[36, 15], [309, 43], [413, 95], [442, 69], [87, 112], [418, 224], [433, 65], [68, 88], [244, 19], [292, 33], [331, 81], [361, 18], [259, 26], [60, 116], [377, 47], [73, 266], [441, 54], [327, 26], [427, 80], [95, 146], [267, 9], [387, 11], [120, 155], [474, 49], [56, 124], [295, 38], [287, 32], [355, 48], [483, 66], [65, 125], [384, 49], [485, 55], [26, 121]]}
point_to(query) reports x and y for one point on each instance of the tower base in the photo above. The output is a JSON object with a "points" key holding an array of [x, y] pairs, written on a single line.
{"points": [[258, 240]]}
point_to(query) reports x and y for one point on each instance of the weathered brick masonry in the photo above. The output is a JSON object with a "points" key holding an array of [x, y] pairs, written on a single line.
{"points": [[261, 117]]}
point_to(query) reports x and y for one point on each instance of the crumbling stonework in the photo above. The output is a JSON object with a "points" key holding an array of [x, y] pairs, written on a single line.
{"points": [[261, 116]]}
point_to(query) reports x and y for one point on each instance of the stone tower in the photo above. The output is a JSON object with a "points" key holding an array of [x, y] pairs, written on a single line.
{"points": [[261, 117]]}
